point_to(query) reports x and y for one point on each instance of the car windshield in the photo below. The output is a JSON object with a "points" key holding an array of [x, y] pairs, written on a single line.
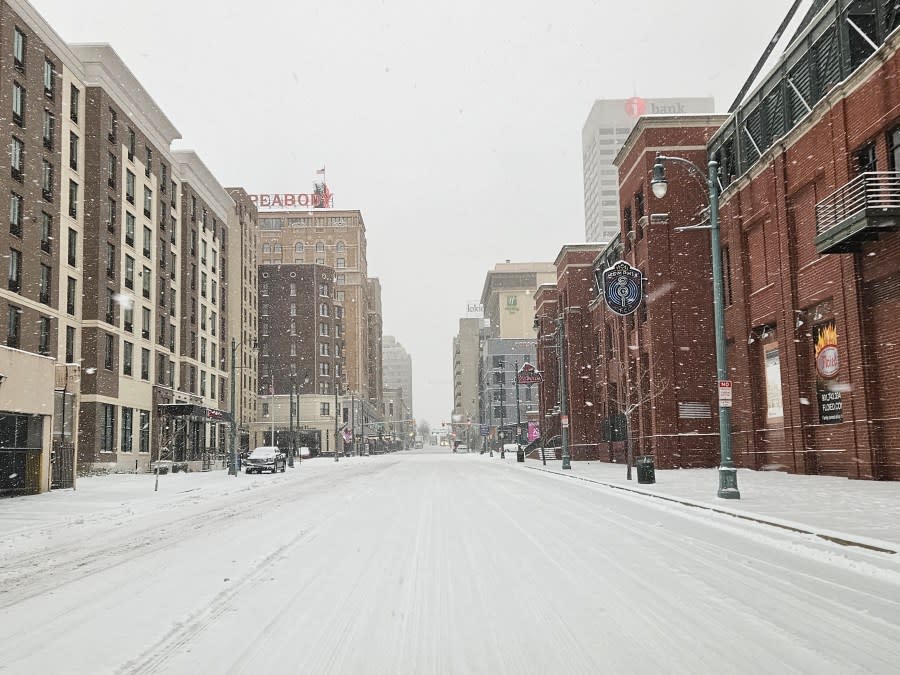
{"points": [[416, 336]]}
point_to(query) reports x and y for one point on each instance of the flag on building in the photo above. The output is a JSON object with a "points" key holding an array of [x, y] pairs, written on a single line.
{"points": [[321, 171]]}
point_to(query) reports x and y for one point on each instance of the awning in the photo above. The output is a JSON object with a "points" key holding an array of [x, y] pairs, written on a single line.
{"points": [[193, 410]]}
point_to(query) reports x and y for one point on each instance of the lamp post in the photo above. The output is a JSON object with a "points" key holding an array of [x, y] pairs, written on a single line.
{"points": [[728, 487], [563, 394], [232, 467], [291, 423], [502, 407], [518, 405]]}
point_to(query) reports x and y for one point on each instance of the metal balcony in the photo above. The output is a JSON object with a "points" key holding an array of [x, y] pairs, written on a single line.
{"points": [[857, 212]]}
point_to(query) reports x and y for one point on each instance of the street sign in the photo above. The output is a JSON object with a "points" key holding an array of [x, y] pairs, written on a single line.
{"points": [[485, 430], [622, 286], [528, 374], [565, 421], [725, 393]]}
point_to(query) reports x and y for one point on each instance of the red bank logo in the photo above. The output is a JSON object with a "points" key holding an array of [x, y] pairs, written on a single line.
{"points": [[635, 106]]}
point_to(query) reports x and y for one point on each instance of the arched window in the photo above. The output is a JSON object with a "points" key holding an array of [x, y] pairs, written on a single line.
{"points": [[340, 247], [320, 247], [298, 247], [267, 248]]}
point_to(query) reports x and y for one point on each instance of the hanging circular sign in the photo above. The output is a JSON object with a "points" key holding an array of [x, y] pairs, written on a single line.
{"points": [[623, 288]]}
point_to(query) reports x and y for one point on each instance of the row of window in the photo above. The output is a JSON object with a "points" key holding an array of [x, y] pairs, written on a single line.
{"points": [[274, 247]]}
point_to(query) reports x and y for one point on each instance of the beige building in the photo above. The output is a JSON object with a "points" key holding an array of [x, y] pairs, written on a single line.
{"points": [[336, 238], [508, 297], [374, 356], [243, 317], [465, 371]]}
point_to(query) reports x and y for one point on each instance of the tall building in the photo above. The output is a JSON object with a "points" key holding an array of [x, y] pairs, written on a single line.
{"points": [[301, 350], [508, 297], [336, 239], [605, 130], [373, 353], [465, 372], [397, 368], [243, 289]]}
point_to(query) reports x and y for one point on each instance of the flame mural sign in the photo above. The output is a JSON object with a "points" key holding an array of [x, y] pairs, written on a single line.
{"points": [[828, 363]]}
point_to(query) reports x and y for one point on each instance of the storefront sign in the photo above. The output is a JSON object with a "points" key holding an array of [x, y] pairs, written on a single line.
{"points": [[828, 364], [534, 432], [528, 374], [622, 286]]}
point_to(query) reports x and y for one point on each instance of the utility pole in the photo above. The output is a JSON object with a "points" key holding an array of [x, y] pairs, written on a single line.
{"points": [[563, 394], [335, 380], [518, 407], [291, 423], [502, 407], [232, 468]]}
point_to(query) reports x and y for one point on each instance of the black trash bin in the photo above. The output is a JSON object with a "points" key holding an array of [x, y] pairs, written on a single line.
{"points": [[646, 473], [520, 454]]}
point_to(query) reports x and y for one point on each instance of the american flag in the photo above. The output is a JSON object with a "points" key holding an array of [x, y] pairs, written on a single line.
{"points": [[321, 171]]}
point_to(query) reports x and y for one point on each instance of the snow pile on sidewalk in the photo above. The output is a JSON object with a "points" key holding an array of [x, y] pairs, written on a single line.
{"points": [[865, 510]]}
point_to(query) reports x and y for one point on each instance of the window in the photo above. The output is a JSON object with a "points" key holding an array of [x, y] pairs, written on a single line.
{"points": [[148, 242], [128, 318], [73, 199], [15, 270], [193, 243], [341, 263], [13, 326], [16, 206], [74, 103], [865, 160], [148, 165], [324, 409], [203, 383], [193, 208], [110, 306], [203, 318], [49, 79], [293, 309], [46, 280], [214, 293], [46, 231], [49, 129], [145, 364], [339, 296], [73, 151], [174, 194], [46, 180], [19, 49], [144, 431], [127, 357], [129, 228], [203, 248], [70, 344], [323, 291], [203, 284], [129, 272], [113, 131], [72, 247], [320, 261], [339, 247], [108, 427], [324, 349], [320, 247], [129, 186], [265, 409], [323, 329], [108, 351], [112, 218], [298, 247], [148, 202], [163, 177], [127, 419], [145, 323], [17, 159], [894, 149], [324, 369], [146, 279], [340, 279], [71, 289], [44, 335], [131, 141], [18, 104], [323, 309], [112, 170]]}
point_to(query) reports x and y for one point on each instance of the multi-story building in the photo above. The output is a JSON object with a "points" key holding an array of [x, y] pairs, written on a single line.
{"points": [[41, 96], [465, 371], [337, 239], [301, 352], [243, 291], [397, 368], [373, 353], [508, 297], [500, 360], [605, 130], [397, 418]]}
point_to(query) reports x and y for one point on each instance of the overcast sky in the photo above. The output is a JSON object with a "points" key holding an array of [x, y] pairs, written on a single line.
{"points": [[455, 127]]}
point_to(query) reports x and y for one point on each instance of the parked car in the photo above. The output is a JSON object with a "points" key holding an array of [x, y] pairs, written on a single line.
{"points": [[418, 445], [304, 452], [265, 458], [462, 447]]}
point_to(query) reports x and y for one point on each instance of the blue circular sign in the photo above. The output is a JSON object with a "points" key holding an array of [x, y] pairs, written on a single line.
{"points": [[623, 288]]}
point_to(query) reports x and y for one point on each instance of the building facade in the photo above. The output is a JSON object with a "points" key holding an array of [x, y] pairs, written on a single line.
{"points": [[466, 368], [374, 356], [397, 369], [508, 297], [243, 319], [605, 130]]}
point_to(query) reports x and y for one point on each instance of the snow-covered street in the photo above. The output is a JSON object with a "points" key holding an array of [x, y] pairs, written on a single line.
{"points": [[424, 562]]}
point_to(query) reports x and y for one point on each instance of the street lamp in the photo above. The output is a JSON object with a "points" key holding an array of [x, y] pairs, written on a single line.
{"points": [[563, 393], [728, 487]]}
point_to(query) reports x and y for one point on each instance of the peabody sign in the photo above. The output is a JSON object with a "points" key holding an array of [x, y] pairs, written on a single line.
{"points": [[288, 200]]}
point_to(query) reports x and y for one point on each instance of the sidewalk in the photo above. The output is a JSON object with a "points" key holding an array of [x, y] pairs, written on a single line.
{"points": [[859, 511]]}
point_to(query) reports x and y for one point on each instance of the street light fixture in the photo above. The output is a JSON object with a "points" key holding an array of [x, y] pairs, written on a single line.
{"points": [[728, 487]]}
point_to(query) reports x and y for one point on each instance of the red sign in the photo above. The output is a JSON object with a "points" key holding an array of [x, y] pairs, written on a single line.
{"points": [[565, 421], [288, 200], [725, 393], [528, 374], [635, 106]]}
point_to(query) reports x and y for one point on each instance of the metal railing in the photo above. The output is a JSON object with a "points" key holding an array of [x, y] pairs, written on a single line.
{"points": [[873, 190]]}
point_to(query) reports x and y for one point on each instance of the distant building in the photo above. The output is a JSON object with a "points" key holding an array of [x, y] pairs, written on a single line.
{"points": [[508, 297], [397, 365], [605, 130]]}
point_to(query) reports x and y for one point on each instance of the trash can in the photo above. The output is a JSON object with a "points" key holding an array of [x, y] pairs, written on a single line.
{"points": [[645, 470], [520, 454]]}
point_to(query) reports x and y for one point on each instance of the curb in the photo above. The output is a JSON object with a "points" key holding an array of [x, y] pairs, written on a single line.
{"points": [[835, 539]]}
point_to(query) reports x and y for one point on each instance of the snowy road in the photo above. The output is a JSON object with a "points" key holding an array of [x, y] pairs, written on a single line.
{"points": [[428, 562]]}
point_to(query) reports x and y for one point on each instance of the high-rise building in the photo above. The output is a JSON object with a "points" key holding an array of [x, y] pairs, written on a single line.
{"points": [[373, 354], [336, 239], [605, 130], [397, 368], [465, 373], [508, 297], [243, 289]]}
